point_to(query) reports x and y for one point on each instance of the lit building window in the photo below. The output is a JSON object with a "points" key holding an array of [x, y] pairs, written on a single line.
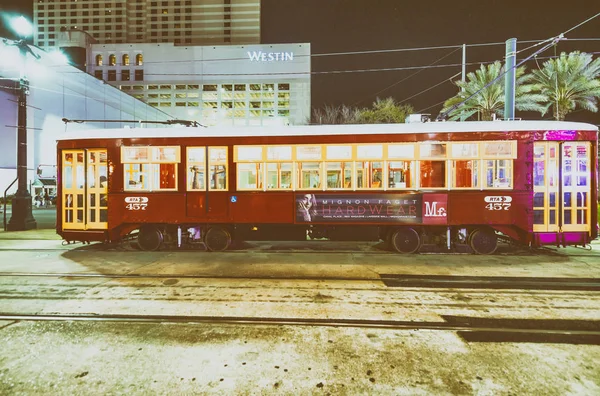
{"points": [[126, 60], [98, 60], [139, 59], [112, 60]]}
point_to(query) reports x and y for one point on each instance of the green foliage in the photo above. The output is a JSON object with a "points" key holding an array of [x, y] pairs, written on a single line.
{"points": [[488, 97], [569, 82], [384, 111]]}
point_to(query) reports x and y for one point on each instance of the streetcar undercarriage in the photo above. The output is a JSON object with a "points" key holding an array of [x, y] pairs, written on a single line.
{"points": [[402, 239]]}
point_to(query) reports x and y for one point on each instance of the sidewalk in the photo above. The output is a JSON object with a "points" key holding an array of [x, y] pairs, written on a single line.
{"points": [[46, 230], [43, 234]]}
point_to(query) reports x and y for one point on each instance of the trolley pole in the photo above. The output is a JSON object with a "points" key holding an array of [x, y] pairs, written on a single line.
{"points": [[22, 216], [509, 80]]}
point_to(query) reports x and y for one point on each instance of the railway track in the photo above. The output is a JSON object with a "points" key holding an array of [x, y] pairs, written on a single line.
{"points": [[374, 251], [390, 280], [470, 328]]}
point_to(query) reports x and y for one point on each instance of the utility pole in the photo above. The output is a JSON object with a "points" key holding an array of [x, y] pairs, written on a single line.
{"points": [[464, 73], [509, 79], [22, 217]]}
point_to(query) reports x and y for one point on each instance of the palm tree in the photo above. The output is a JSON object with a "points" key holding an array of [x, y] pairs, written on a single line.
{"points": [[488, 96], [569, 81]]}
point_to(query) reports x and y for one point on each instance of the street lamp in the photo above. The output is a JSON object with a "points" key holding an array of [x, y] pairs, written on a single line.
{"points": [[22, 216]]}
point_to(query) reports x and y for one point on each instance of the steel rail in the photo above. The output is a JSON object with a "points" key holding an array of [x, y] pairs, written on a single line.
{"points": [[390, 280], [86, 249], [592, 329]]}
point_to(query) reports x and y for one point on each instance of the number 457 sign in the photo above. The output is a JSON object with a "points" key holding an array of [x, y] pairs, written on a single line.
{"points": [[498, 202], [136, 203]]}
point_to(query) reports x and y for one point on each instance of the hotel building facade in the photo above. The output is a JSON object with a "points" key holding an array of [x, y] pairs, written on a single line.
{"points": [[214, 85], [185, 22]]}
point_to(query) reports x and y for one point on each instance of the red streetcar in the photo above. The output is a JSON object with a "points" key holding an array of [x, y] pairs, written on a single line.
{"points": [[454, 185]]}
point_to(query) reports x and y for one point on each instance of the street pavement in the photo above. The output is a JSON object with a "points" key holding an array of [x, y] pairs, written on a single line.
{"points": [[99, 358]]}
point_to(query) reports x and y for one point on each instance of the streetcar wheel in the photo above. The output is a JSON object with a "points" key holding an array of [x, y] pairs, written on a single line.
{"points": [[150, 238], [483, 241], [217, 239], [406, 240]]}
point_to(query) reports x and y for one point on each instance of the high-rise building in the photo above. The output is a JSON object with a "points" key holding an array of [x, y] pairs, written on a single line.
{"points": [[200, 60], [182, 22]]}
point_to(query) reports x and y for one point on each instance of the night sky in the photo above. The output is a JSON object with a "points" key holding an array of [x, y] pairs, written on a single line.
{"points": [[333, 26]]}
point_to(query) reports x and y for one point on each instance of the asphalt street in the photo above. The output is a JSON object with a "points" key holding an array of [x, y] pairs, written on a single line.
{"points": [[112, 321]]}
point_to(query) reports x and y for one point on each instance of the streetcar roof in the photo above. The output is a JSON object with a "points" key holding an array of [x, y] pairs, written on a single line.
{"points": [[318, 130]]}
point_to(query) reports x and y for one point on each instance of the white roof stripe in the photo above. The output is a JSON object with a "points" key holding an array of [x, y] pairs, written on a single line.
{"points": [[317, 130]]}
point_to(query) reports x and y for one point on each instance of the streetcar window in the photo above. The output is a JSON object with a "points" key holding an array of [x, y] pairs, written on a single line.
{"points": [[401, 151], [150, 168], [248, 153], [465, 150], [166, 154], [369, 174], [499, 149], [250, 176], [433, 174], [465, 173], [399, 174], [134, 154], [218, 177], [217, 166], [279, 153], [136, 177], [498, 173], [279, 175], [339, 175], [432, 150], [308, 153], [165, 176], [376, 175], [196, 168], [309, 175], [339, 152], [539, 164], [369, 151]]}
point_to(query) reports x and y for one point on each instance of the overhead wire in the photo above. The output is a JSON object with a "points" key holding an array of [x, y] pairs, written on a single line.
{"points": [[430, 88], [367, 52], [420, 68], [408, 77], [552, 42]]}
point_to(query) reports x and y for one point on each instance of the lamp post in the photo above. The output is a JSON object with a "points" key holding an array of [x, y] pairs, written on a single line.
{"points": [[22, 216]]}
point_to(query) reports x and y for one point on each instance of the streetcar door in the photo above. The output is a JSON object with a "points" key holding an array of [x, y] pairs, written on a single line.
{"points": [[207, 182], [84, 203], [576, 186], [545, 187], [562, 187]]}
